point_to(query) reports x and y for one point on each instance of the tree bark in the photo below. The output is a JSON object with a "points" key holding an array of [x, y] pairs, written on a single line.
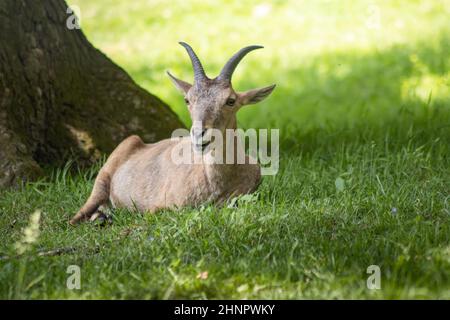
{"points": [[60, 98]]}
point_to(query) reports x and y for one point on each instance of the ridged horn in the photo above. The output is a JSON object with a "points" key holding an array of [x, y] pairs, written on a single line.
{"points": [[199, 72], [230, 66]]}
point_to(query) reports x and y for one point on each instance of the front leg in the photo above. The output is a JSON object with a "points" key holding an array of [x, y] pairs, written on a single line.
{"points": [[99, 196]]}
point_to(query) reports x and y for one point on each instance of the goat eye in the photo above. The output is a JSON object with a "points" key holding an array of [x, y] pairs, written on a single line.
{"points": [[186, 100], [230, 102]]}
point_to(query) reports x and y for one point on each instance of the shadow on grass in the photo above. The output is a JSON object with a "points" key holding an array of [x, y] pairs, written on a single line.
{"points": [[304, 236], [402, 94]]}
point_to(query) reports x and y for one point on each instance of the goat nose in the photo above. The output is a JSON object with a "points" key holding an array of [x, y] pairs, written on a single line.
{"points": [[199, 132], [196, 133]]}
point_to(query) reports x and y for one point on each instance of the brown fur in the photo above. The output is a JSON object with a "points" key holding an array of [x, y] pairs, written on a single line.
{"points": [[143, 176]]}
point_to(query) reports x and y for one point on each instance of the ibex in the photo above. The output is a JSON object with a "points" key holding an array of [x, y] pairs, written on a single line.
{"points": [[144, 177]]}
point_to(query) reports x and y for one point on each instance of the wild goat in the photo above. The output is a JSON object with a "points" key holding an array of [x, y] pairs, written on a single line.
{"points": [[145, 177]]}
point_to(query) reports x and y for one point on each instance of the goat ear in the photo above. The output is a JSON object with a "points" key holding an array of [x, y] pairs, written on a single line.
{"points": [[255, 95], [181, 85]]}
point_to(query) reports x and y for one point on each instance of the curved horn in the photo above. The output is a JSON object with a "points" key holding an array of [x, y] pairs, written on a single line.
{"points": [[199, 72], [228, 69]]}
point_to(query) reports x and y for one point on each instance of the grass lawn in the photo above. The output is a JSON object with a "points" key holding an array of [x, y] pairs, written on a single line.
{"points": [[363, 108]]}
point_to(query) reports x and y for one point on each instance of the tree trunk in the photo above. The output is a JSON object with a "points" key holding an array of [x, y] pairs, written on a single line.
{"points": [[60, 98]]}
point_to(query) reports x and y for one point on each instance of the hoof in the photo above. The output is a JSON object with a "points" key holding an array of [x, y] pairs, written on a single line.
{"points": [[101, 219]]}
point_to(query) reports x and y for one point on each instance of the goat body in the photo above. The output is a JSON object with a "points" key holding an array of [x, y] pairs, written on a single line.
{"points": [[145, 177]]}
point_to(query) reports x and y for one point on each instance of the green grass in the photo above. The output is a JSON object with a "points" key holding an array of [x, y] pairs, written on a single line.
{"points": [[370, 106]]}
